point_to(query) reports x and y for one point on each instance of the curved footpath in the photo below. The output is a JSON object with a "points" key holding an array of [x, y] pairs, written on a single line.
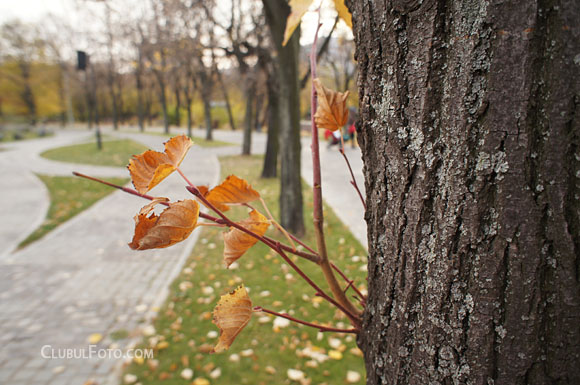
{"points": [[81, 278]]}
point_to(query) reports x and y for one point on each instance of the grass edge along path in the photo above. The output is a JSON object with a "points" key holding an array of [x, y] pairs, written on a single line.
{"points": [[115, 153], [69, 196], [269, 350], [197, 141]]}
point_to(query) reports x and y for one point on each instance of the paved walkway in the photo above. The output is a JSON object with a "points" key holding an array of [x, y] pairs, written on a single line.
{"points": [[81, 278]]}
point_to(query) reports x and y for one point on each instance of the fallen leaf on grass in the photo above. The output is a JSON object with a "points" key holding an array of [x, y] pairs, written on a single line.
{"points": [[231, 315]]}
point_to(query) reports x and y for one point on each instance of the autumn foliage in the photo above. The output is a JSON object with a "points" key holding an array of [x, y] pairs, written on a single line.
{"points": [[179, 219]]}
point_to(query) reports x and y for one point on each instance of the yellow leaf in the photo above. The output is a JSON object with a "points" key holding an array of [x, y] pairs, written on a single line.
{"points": [[297, 9], [151, 167], [173, 225], [231, 190], [231, 315], [343, 12], [237, 242], [162, 345], [95, 338], [331, 113]]}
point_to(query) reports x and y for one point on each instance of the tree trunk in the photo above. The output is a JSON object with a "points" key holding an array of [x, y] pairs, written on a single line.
{"points": [[227, 100], [140, 107], [27, 94], [291, 215], [250, 91], [177, 104], [270, 168], [470, 136], [207, 114], [163, 101]]}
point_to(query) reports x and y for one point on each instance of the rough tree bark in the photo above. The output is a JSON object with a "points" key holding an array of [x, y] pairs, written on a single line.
{"points": [[471, 141], [291, 215]]}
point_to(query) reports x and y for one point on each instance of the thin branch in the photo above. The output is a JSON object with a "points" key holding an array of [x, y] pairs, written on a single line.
{"points": [[321, 52], [341, 273], [277, 225], [276, 246], [319, 327], [353, 181], [318, 216], [311, 257]]}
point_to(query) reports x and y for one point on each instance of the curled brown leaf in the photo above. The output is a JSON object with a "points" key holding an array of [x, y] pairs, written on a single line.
{"points": [[237, 242], [231, 315], [151, 167], [173, 225], [331, 113]]}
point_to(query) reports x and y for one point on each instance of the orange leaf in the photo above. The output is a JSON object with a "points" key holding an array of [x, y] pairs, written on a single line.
{"points": [[343, 12], [297, 9], [173, 225], [151, 167], [232, 190], [231, 315], [237, 242], [331, 113]]}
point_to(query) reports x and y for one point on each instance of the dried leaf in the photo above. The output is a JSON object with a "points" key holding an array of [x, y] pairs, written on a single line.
{"points": [[231, 190], [343, 12], [237, 242], [331, 113], [173, 225], [297, 9], [151, 167], [231, 315]]}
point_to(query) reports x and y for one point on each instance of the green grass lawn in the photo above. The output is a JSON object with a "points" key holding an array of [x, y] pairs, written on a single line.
{"points": [[261, 354], [15, 136], [115, 153], [68, 197]]}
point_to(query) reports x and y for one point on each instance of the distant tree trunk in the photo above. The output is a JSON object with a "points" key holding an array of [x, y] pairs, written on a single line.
{"points": [[270, 167], [163, 100], [248, 118], [258, 119], [189, 119], [27, 94], [291, 215], [206, 98], [470, 134], [62, 93], [177, 105], [227, 100], [140, 106], [113, 95]]}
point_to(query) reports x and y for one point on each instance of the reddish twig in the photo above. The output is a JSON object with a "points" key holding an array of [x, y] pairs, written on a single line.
{"points": [[318, 216], [341, 273], [353, 181], [293, 319], [311, 257], [276, 246]]}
